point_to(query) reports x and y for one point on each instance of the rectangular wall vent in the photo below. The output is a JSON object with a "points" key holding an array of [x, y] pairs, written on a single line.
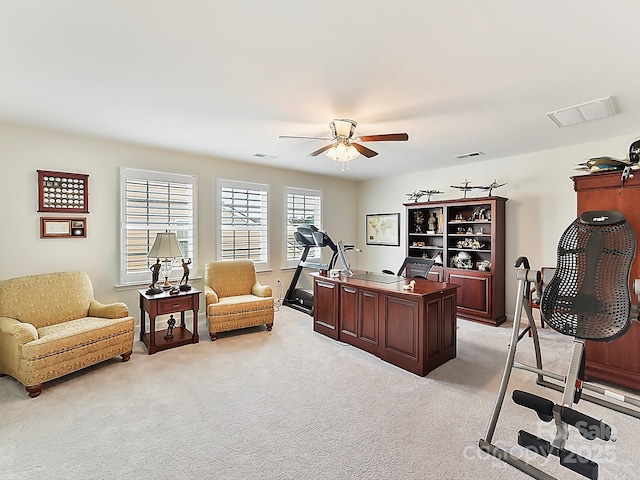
{"points": [[469, 155], [585, 112]]}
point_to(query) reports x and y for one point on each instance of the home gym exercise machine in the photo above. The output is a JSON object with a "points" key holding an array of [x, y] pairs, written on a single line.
{"points": [[588, 298], [309, 237]]}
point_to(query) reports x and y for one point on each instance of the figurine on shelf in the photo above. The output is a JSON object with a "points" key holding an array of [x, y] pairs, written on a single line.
{"points": [[184, 281], [185, 267], [418, 218], [433, 223], [484, 266], [441, 221], [155, 274], [170, 324]]}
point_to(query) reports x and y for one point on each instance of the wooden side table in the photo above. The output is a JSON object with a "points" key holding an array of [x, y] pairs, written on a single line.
{"points": [[162, 304]]}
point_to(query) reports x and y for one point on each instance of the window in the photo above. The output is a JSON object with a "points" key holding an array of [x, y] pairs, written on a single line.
{"points": [[154, 202], [243, 221], [304, 207]]}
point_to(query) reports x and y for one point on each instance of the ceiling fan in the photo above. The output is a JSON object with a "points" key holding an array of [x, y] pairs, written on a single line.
{"points": [[344, 146]]}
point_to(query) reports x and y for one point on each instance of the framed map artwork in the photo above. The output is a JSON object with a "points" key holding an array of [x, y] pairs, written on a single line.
{"points": [[383, 229]]}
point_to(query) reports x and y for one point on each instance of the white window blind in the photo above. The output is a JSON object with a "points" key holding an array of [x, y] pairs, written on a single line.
{"points": [[243, 221], [154, 202], [304, 207]]}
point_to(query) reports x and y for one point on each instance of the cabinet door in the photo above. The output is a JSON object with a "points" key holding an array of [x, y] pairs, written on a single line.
{"points": [[402, 329], [359, 320], [368, 318], [440, 326], [473, 294], [325, 311], [348, 312]]}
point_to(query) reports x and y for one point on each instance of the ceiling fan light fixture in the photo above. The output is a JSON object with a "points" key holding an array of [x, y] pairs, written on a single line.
{"points": [[342, 153]]}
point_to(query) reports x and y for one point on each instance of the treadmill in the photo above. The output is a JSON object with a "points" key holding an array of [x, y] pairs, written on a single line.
{"points": [[308, 236]]}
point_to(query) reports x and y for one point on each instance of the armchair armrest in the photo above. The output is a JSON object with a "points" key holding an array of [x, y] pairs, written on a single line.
{"points": [[210, 295], [111, 310], [13, 335], [261, 290], [19, 332]]}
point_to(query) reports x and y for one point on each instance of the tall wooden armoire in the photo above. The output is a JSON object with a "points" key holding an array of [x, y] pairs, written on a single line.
{"points": [[618, 361]]}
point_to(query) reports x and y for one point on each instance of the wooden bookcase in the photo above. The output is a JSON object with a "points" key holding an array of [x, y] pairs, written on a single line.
{"points": [[618, 361], [468, 235]]}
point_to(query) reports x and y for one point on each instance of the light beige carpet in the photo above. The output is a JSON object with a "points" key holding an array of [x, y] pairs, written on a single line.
{"points": [[289, 404]]}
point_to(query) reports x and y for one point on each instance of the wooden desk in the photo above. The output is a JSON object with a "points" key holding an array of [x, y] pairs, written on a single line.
{"points": [[164, 303], [414, 330]]}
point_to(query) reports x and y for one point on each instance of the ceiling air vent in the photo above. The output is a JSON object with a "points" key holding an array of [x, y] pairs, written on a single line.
{"points": [[469, 155], [264, 155], [585, 112]]}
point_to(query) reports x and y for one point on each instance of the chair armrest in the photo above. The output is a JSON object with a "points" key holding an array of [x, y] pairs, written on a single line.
{"points": [[261, 290], [210, 295], [111, 310], [19, 332]]}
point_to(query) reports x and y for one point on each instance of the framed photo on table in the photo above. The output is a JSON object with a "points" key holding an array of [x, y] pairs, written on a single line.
{"points": [[383, 229]]}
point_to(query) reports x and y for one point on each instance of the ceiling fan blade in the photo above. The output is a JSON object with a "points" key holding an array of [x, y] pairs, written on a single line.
{"points": [[367, 152], [320, 150], [310, 138], [385, 137]]}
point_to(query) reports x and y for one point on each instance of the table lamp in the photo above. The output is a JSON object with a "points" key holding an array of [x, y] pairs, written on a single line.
{"points": [[164, 247]]}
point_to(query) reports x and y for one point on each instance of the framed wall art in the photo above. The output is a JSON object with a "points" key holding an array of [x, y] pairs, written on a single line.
{"points": [[383, 229], [53, 227], [63, 192]]}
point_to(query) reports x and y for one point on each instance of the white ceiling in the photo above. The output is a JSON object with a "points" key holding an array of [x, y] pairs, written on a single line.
{"points": [[227, 78]]}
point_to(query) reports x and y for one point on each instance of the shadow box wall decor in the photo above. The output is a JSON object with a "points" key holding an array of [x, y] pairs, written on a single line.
{"points": [[54, 227], [62, 192], [383, 229]]}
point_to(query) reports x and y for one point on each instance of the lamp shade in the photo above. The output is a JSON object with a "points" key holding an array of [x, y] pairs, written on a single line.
{"points": [[166, 246]]}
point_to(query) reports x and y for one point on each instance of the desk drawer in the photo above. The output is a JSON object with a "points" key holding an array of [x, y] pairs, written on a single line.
{"points": [[171, 305]]}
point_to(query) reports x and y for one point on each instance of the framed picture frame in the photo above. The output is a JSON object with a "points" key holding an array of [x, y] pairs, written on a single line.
{"points": [[383, 229], [62, 192], [51, 227]]}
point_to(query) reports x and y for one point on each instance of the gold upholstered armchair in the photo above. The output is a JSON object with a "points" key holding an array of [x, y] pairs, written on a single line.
{"points": [[234, 297], [50, 325]]}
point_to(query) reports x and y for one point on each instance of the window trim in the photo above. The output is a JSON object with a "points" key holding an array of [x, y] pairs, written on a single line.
{"points": [[260, 266], [293, 263], [127, 173]]}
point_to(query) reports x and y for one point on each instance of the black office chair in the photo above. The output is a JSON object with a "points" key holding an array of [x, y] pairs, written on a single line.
{"points": [[588, 298], [413, 267]]}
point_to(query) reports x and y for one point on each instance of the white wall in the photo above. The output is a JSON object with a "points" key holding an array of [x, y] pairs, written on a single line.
{"points": [[24, 150], [542, 202]]}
